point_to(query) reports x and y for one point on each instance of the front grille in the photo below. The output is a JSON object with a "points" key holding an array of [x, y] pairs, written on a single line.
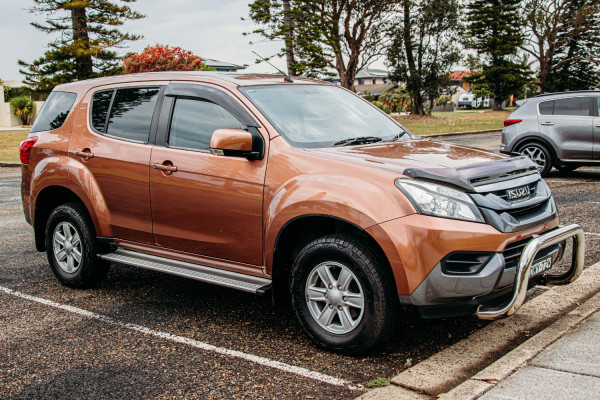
{"points": [[503, 194], [524, 212]]}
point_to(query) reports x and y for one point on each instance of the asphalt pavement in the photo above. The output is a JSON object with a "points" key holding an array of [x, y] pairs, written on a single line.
{"points": [[144, 334]]}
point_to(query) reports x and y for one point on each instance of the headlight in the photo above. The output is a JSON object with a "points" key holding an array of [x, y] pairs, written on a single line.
{"points": [[439, 201]]}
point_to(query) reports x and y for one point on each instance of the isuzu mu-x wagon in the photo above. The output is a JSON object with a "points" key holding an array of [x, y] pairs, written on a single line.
{"points": [[300, 189]]}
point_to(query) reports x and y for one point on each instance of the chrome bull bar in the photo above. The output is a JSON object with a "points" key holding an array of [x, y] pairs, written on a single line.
{"points": [[537, 243]]}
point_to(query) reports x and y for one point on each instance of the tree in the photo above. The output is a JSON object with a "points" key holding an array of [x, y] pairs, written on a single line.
{"points": [[22, 107], [163, 58], [576, 65], [444, 101], [346, 35], [556, 31], [87, 30], [422, 52], [494, 31]]}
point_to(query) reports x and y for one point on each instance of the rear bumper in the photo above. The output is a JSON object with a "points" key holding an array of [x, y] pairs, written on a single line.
{"points": [[496, 291]]}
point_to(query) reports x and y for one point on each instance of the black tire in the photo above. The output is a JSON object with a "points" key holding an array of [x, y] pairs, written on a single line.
{"points": [[539, 154], [72, 219], [376, 321]]}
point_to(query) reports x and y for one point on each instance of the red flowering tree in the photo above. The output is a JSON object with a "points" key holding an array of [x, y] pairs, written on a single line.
{"points": [[163, 58]]}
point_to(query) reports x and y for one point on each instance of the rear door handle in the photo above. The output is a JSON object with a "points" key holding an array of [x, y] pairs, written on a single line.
{"points": [[162, 167], [547, 123], [86, 153]]}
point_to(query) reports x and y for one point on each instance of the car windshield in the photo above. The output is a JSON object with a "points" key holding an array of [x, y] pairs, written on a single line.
{"points": [[322, 115]]}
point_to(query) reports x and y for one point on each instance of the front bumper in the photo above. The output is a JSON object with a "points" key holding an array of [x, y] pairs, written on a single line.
{"points": [[496, 291]]}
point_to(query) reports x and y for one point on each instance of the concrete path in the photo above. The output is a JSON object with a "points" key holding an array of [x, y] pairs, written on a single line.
{"points": [[567, 369]]}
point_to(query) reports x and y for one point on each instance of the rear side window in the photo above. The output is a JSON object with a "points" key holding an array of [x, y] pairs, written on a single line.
{"points": [[124, 113], [573, 106], [547, 108], [54, 111], [194, 122]]}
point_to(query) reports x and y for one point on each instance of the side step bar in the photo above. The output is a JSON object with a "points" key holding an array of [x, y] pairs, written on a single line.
{"points": [[221, 277]]}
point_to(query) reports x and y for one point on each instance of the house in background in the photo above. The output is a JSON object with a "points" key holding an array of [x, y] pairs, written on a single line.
{"points": [[7, 118], [457, 81], [222, 66]]}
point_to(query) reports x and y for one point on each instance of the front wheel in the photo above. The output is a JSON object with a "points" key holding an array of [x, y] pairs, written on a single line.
{"points": [[342, 296], [71, 247], [538, 154]]}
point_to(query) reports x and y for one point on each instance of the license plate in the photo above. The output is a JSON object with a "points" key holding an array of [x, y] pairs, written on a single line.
{"points": [[540, 266]]}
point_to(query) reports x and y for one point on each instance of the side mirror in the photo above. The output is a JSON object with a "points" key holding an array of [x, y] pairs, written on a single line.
{"points": [[232, 143]]}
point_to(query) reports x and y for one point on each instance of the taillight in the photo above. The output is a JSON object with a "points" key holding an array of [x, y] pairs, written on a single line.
{"points": [[25, 149], [508, 122]]}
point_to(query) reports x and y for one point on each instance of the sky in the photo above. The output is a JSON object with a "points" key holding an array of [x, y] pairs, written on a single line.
{"points": [[208, 28]]}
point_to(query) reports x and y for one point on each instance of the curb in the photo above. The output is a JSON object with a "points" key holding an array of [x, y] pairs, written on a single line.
{"points": [[485, 380], [10, 164], [463, 361]]}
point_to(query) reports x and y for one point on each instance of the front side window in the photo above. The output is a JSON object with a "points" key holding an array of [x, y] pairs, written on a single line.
{"points": [[194, 121], [54, 111], [574, 106]]}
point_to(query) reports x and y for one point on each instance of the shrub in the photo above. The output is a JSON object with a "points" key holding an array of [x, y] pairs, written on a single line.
{"points": [[164, 58], [22, 107], [378, 104], [444, 100]]}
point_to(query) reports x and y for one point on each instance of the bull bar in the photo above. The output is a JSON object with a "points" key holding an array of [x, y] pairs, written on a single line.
{"points": [[538, 243]]}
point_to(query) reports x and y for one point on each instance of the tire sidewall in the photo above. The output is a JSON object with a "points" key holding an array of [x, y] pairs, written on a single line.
{"points": [[549, 160], [365, 333]]}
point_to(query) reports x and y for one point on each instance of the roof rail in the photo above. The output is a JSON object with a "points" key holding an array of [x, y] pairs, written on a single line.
{"points": [[569, 92]]}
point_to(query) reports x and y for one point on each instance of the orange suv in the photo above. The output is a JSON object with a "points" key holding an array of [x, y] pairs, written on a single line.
{"points": [[301, 189]]}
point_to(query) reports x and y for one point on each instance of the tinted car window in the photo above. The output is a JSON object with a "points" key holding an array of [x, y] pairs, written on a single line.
{"points": [[573, 106], [194, 122], [547, 107], [100, 105], [54, 111], [131, 113]]}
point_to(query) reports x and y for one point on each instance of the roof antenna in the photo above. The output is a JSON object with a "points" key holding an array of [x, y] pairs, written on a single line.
{"points": [[286, 78]]}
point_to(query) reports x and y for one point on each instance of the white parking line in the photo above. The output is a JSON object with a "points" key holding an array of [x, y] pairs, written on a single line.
{"points": [[550, 180], [306, 373]]}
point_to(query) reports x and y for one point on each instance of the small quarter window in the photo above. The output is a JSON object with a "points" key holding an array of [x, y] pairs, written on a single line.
{"points": [[54, 111], [574, 106], [131, 113], [194, 122], [547, 108], [100, 105]]}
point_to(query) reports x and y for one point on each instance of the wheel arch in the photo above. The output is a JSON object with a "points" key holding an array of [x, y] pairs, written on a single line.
{"points": [[540, 140]]}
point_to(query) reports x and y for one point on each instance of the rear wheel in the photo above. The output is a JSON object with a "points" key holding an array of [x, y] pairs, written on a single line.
{"points": [[342, 296], [71, 247], [538, 154]]}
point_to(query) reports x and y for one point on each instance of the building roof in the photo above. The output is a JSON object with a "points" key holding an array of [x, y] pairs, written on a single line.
{"points": [[459, 75], [221, 65], [372, 73]]}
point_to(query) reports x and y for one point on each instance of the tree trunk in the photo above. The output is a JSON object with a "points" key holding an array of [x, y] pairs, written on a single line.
{"points": [[289, 38], [497, 104], [81, 41], [413, 80]]}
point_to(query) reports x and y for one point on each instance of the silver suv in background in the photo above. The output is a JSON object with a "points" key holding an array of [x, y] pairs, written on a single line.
{"points": [[560, 130]]}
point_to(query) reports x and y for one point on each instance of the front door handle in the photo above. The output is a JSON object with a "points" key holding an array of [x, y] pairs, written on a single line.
{"points": [[86, 153], [165, 167], [547, 123]]}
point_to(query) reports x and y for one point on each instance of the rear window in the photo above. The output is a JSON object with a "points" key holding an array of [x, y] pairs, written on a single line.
{"points": [[547, 108], [54, 112], [124, 114]]}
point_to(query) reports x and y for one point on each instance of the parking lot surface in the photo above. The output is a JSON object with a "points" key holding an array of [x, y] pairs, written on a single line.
{"points": [[145, 334]]}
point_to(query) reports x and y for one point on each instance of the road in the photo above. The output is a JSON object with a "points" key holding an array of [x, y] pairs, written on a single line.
{"points": [[144, 334]]}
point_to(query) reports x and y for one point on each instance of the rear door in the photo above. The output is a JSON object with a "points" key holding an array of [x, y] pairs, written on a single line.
{"points": [[597, 128], [568, 123], [111, 140], [206, 204]]}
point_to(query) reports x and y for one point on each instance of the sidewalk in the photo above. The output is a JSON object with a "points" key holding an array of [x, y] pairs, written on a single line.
{"points": [[567, 369]]}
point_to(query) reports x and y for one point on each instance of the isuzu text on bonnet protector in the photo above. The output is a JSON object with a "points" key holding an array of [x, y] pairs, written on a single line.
{"points": [[300, 189]]}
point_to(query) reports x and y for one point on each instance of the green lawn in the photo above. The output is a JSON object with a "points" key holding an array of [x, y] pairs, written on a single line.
{"points": [[451, 122], [9, 145]]}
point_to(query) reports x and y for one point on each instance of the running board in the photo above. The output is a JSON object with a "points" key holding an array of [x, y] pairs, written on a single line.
{"points": [[221, 277]]}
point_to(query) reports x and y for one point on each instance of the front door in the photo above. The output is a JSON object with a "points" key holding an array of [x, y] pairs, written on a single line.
{"points": [[202, 203]]}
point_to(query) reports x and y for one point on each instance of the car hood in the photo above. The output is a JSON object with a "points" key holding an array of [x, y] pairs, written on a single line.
{"points": [[461, 166], [418, 153]]}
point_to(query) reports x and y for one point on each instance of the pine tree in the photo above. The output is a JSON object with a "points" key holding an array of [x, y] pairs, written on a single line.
{"points": [[87, 29], [494, 31]]}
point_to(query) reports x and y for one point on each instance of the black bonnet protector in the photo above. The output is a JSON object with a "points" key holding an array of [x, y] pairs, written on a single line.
{"points": [[471, 176]]}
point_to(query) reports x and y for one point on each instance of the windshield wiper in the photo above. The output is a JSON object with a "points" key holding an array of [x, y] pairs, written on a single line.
{"points": [[358, 140], [398, 136]]}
